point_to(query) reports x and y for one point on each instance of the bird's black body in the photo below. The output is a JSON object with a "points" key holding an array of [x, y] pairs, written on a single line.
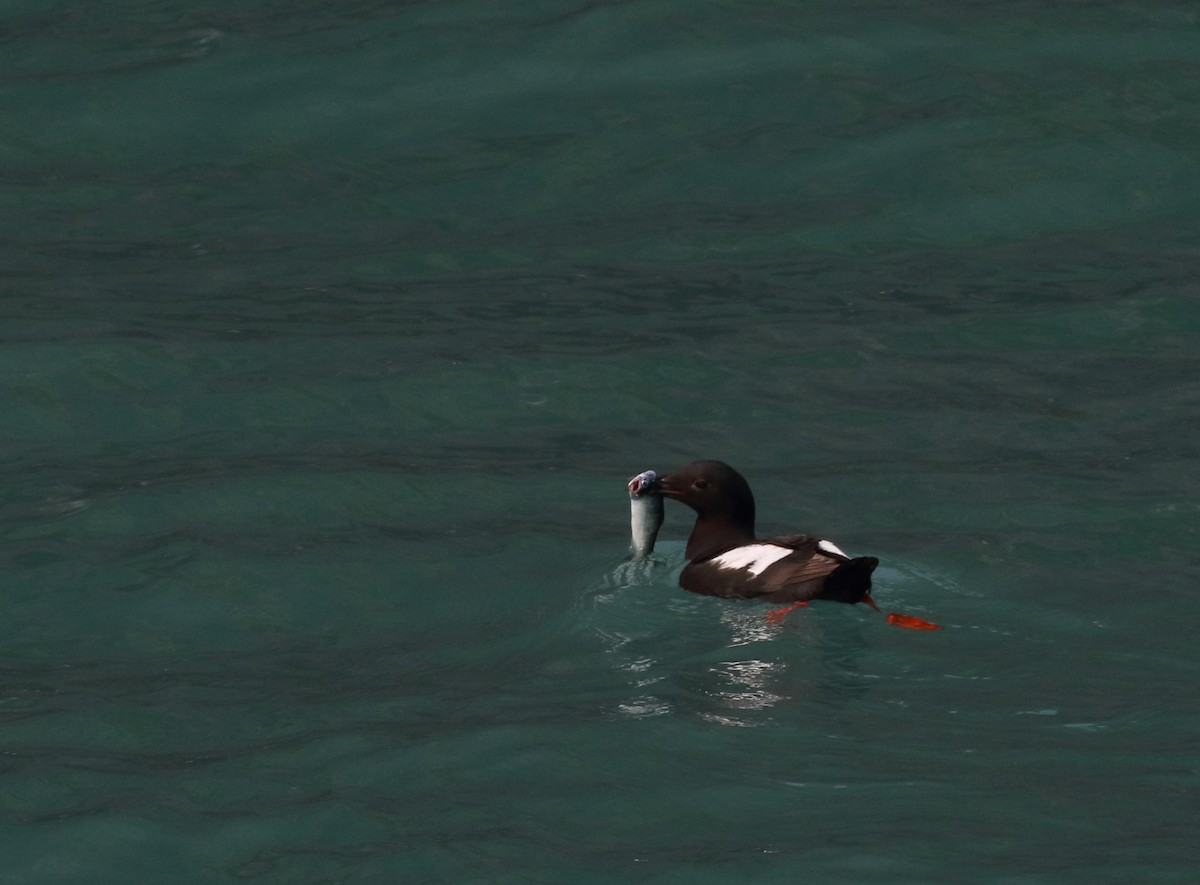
{"points": [[726, 559]]}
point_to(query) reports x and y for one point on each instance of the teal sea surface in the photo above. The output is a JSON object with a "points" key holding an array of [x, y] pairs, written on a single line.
{"points": [[331, 332]]}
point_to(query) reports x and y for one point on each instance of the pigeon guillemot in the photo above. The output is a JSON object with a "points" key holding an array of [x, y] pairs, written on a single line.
{"points": [[726, 559]]}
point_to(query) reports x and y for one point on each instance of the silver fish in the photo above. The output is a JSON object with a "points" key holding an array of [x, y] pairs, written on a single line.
{"points": [[645, 513]]}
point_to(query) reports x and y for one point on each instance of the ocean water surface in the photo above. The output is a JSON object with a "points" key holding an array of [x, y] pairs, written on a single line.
{"points": [[330, 333]]}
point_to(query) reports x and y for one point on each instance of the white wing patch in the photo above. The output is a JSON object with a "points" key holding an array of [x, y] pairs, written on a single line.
{"points": [[754, 558], [830, 547]]}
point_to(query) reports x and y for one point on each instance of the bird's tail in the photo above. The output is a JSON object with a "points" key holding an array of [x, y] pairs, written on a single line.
{"points": [[850, 582]]}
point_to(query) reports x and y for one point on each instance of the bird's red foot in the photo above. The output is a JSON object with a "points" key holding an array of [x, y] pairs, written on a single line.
{"points": [[776, 615], [912, 623], [898, 620]]}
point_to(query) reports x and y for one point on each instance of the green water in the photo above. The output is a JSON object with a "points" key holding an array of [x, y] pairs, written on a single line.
{"points": [[330, 333]]}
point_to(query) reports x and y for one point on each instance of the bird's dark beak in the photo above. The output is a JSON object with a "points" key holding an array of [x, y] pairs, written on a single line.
{"points": [[665, 487]]}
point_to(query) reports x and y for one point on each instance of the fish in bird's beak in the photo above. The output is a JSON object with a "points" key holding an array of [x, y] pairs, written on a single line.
{"points": [[645, 483], [645, 513]]}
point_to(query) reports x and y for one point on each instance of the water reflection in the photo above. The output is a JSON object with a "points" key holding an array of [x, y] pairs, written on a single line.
{"points": [[746, 684], [748, 624], [751, 684]]}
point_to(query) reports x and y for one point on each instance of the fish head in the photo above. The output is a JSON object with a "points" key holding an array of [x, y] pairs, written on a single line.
{"points": [[644, 483]]}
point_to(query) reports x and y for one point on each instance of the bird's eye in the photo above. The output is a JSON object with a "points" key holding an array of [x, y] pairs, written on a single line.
{"points": [[700, 484]]}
